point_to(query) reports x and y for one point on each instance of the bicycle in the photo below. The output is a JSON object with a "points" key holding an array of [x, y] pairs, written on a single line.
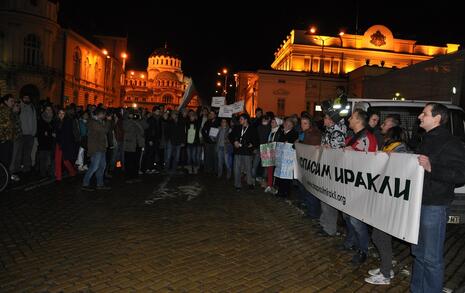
{"points": [[4, 177]]}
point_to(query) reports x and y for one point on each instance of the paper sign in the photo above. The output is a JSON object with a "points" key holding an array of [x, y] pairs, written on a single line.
{"points": [[218, 101], [268, 154], [238, 106], [225, 111], [213, 132]]}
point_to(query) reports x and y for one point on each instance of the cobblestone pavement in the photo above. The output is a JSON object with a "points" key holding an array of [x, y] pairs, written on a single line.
{"points": [[179, 234]]}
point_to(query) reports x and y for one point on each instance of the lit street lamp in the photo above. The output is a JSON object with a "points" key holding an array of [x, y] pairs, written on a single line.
{"points": [[105, 53]]}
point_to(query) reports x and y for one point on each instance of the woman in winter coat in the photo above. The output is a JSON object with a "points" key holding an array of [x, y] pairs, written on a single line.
{"points": [[193, 143], [290, 135], [394, 143], [274, 136], [134, 143], [45, 133], [66, 146]]}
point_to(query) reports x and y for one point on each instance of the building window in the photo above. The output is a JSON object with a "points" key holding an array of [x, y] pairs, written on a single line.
{"points": [[77, 63], [308, 106], [96, 73], [307, 64], [281, 106], [32, 55], [86, 69], [167, 99], [281, 81], [145, 83]]}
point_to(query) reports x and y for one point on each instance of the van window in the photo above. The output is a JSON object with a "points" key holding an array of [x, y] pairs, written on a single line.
{"points": [[458, 124]]}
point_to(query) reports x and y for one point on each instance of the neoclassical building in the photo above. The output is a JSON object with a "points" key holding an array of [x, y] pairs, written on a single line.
{"points": [[162, 83], [31, 47], [309, 67], [40, 59]]}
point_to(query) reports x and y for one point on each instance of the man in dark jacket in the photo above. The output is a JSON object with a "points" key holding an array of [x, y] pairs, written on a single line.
{"points": [[245, 139], [209, 132], [443, 158], [97, 146]]}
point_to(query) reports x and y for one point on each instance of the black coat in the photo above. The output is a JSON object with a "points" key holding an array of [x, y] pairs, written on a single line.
{"points": [[206, 130], [447, 156], [154, 131], [66, 138], [249, 140], [289, 137], [176, 132], [44, 135]]}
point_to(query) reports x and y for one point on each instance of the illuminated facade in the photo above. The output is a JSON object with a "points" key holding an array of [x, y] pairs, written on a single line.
{"points": [[30, 49], [92, 74], [40, 59], [162, 83], [308, 68]]}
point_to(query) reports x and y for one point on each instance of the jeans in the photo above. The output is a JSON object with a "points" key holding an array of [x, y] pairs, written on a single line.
{"points": [[328, 218], [428, 264], [242, 162], [311, 201], [172, 150], [357, 233], [97, 166], [193, 155], [223, 159]]}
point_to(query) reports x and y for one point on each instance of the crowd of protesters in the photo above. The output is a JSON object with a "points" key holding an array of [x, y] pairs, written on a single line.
{"points": [[100, 141]]}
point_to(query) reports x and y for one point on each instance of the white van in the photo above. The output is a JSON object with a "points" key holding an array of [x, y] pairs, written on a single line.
{"points": [[409, 111]]}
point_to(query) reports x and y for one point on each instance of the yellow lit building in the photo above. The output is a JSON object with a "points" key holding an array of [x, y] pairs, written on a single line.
{"points": [[42, 60], [163, 83], [309, 67], [92, 70]]}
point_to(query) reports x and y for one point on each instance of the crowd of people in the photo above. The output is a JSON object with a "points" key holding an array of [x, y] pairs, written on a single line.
{"points": [[96, 141]]}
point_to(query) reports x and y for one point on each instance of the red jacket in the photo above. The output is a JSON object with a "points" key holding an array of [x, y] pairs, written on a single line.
{"points": [[363, 141]]}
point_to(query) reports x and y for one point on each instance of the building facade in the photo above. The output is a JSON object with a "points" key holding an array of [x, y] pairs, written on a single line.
{"points": [[162, 83], [308, 68], [93, 70], [31, 49], [40, 59]]}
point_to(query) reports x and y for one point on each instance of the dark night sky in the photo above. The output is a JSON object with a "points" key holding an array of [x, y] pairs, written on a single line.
{"points": [[244, 36]]}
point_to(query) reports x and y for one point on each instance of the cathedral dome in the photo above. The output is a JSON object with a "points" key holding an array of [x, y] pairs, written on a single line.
{"points": [[164, 52], [166, 75]]}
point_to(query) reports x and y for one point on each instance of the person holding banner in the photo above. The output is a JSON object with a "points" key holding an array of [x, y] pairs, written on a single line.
{"points": [[274, 136], [443, 157], [395, 143], [223, 148], [311, 136], [362, 141], [333, 137], [245, 140], [289, 136], [209, 133]]}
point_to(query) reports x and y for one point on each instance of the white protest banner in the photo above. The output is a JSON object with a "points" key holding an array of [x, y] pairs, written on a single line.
{"points": [[213, 132], [285, 159], [218, 101], [238, 107], [225, 112], [382, 190]]}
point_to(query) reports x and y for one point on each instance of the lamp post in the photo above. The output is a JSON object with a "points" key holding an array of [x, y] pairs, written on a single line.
{"points": [[224, 73], [105, 53]]}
